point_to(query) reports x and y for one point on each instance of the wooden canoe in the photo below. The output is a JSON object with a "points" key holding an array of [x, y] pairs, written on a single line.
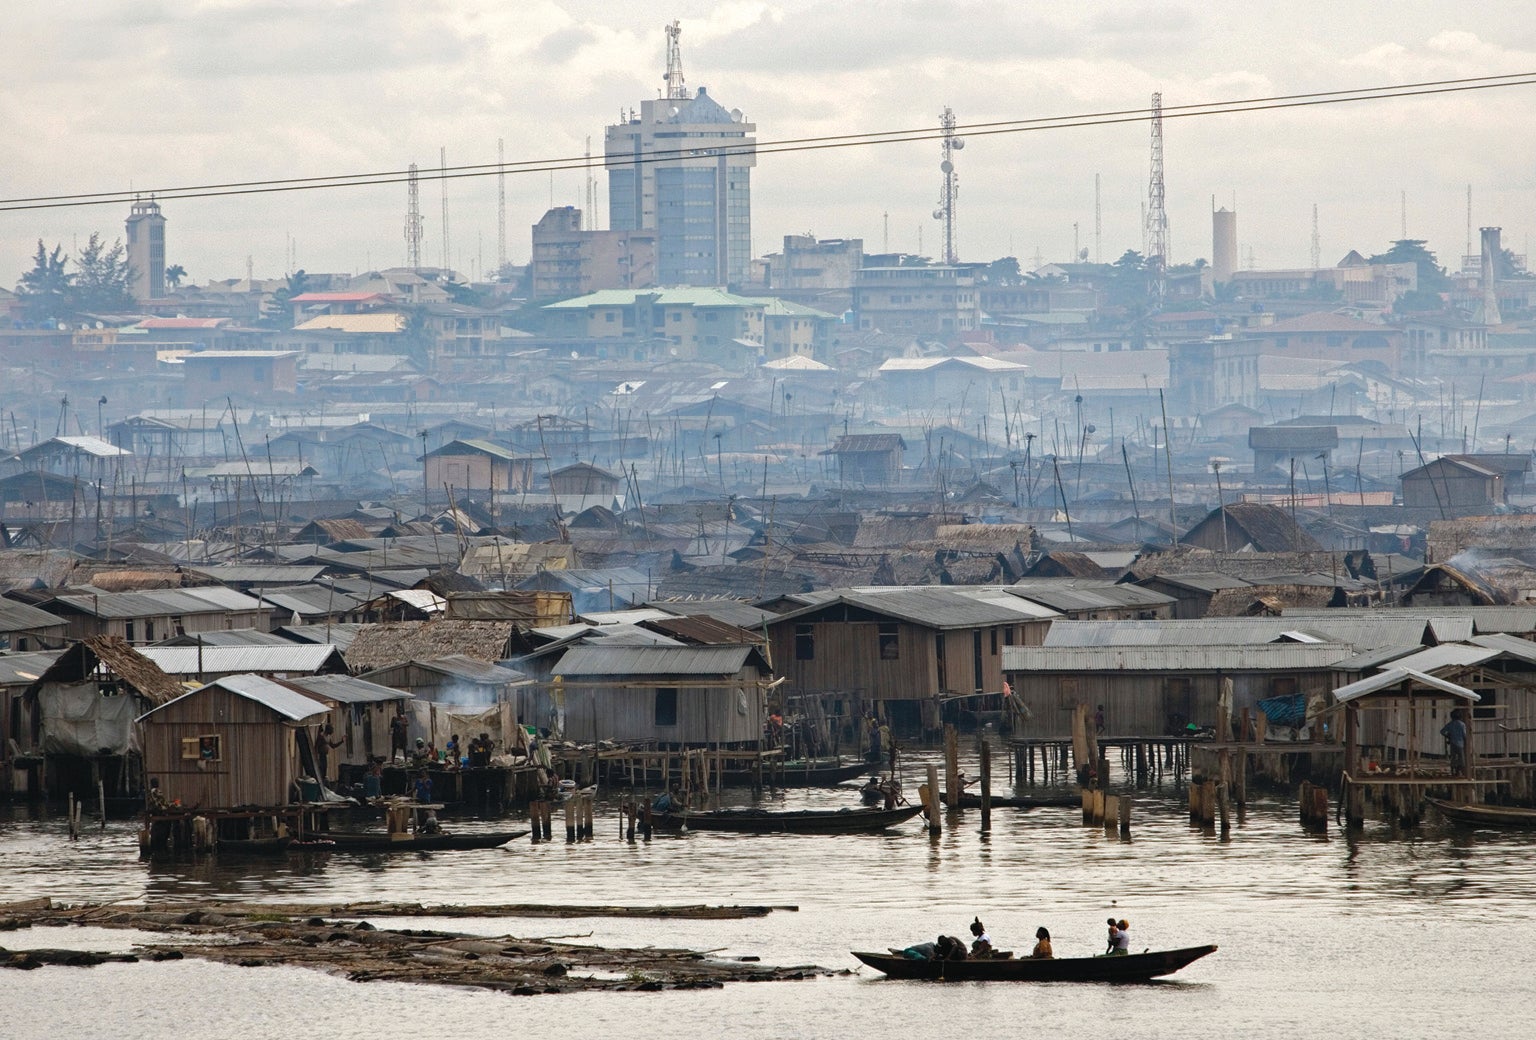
{"points": [[337, 841], [1135, 967], [803, 821], [821, 772], [1485, 815]]}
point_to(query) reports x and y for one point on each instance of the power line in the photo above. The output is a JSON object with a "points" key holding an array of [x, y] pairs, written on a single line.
{"points": [[787, 145]]}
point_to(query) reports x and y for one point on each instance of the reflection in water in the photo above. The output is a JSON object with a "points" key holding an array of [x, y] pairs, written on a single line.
{"points": [[1368, 932]]}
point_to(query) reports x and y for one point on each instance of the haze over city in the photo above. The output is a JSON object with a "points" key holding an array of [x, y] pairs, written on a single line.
{"points": [[113, 95]]}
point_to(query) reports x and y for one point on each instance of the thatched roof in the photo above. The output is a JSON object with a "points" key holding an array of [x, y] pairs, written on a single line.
{"points": [[137, 580], [380, 646], [79, 662], [331, 530], [1267, 528]]}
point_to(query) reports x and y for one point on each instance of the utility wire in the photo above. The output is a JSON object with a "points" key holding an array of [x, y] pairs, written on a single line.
{"points": [[786, 145]]}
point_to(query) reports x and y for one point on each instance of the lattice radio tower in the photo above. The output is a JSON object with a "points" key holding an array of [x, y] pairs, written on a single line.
{"points": [[442, 161], [674, 76], [1157, 215], [949, 192], [412, 220], [501, 204]]}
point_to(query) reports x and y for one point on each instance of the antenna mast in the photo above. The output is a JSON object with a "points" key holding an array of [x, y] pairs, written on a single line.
{"points": [[413, 220], [950, 190], [1157, 215], [674, 77], [501, 204], [1317, 242], [591, 221], [442, 159], [1098, 221]]}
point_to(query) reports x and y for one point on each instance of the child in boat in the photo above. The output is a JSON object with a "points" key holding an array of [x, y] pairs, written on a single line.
{"points": [[1042, 950], [981, 944], [1120, 940]]}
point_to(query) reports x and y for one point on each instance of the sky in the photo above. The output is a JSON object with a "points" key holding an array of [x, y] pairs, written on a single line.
{"points": [[113, 95]]}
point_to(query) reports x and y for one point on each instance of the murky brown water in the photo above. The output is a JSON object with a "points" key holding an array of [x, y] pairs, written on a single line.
{"points": [[1386, 936]]}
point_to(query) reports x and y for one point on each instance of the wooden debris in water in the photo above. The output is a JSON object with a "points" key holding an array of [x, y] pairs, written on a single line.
{"points": [[335, 939]]}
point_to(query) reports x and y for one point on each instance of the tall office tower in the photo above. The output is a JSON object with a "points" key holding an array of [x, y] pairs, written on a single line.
{"points": [[146, 250], [682, 166]]}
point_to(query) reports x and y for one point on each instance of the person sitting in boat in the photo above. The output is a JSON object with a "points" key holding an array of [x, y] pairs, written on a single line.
{"points": [[1120, 939], [1114, 931], [948, 948], [981, 942], [1042, 950], [667, 802]]}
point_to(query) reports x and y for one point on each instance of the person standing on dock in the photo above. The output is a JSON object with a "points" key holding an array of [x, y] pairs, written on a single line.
{"points": [[399, 730], [1098, 721], [1455, 734], [323, 745]]}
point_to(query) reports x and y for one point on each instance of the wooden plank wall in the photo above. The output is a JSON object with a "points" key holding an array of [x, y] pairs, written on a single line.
{"points": [[260, 754]]}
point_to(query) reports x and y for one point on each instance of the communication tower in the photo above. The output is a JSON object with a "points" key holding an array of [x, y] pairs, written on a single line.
{"points": [[413, 220], [442, 161], [674, 76], [501, 204], [1157, 215], [950, 191], [1317, 242]]}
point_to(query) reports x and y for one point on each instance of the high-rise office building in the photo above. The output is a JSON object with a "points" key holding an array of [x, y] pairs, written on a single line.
{"points": [[682, 166], [146, 250]]}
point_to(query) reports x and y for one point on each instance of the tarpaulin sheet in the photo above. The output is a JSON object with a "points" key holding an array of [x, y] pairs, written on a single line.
{"points": [[78, 720]]}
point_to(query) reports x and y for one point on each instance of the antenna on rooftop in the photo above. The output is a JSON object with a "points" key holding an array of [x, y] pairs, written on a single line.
{"points": [[1098, 221], [1317, 242], [412, 219], [442, 159], [1157, 215], [501, 204], [950, 190], [674, 77]]}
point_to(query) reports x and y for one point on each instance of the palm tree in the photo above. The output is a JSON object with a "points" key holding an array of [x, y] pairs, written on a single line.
{"points": [[174, 274]]}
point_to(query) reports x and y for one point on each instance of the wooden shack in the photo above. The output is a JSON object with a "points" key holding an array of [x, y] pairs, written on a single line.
{"points": [[82, 710], [674, 696], [899, 651], [237, 742], [868, 459]]}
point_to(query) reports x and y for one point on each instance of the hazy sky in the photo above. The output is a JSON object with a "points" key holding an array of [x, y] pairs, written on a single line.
{"points": [[110, 94]]}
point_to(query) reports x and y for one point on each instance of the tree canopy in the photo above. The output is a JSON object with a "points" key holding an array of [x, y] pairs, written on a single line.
{"points": [[98, 285], [1432, 277]]}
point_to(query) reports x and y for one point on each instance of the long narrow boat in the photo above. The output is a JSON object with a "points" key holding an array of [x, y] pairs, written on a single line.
{"points": [[801, 821], [819, 772], [1485, 815], [337, 841], [1135, 967]]}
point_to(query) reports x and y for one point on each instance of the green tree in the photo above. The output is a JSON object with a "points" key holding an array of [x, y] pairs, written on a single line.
{"points": [[102, 278], [174, 274], [45, 290], [278, 312], [1432, 277]]}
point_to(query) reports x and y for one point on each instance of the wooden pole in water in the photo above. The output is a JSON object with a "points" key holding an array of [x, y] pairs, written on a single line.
{"points": [[1223, 808], [1125, 816], [1111, 811], [951, 766], [931, 800], [101, 795], [986, 788]]}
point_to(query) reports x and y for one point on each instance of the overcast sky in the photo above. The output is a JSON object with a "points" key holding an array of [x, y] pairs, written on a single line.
{"points": [[112, 94]]}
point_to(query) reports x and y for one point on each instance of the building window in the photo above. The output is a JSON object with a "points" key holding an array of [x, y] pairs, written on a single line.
{"points": [[994, 642], [666, 706], [890, 643], [805, 642]]}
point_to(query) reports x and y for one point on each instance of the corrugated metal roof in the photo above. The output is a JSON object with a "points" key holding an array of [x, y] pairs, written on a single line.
{"points": [[25, 669], [160, 603], [1201, 581], [653, 660], [229, 637], [1262, 657], [941, 607], [341, 634], [1523, 649], [1392, 678], [258, 573], [293, 657], [623, 617], [1376, 658], [22, 617], [1104, 596], [424, 600], [279, 697], [1360, 633], [348, 689], [1484, 619], [461, 666], [1447, 655], [730, 611]]}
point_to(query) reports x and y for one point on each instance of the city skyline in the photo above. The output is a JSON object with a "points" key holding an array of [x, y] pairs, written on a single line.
{"points": [[342, 89]]}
